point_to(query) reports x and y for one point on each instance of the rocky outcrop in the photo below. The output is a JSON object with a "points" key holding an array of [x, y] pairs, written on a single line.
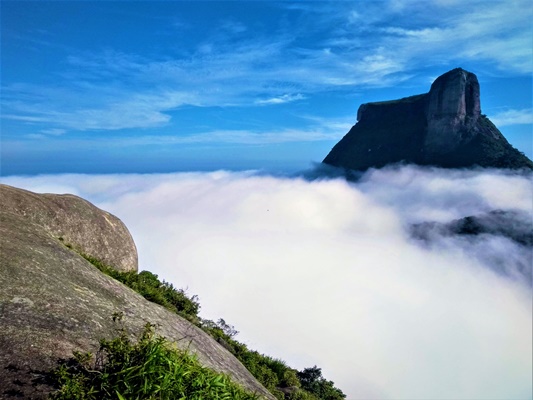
{"points": [[453, 110], [53, 301], [76, 222], [513, 225], [512, 229], [443, 128]]}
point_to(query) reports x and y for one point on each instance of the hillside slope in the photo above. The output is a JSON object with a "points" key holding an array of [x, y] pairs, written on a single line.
{"points": [[53, 301]]}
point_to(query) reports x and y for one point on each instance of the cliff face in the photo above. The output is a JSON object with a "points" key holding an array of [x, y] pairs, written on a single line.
{"points": [[443, 128], [453, 110], [53, 301]]}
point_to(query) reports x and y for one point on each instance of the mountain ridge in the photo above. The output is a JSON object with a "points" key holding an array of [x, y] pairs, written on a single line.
{"points": [[443, 128]]}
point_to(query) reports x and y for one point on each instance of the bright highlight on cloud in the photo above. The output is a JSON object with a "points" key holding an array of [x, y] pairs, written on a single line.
{"points": [[286, 98], [326, 272]]}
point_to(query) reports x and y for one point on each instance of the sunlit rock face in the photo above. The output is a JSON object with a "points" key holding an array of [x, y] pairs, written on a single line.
{"points": [[444, 128], [75, 222]]}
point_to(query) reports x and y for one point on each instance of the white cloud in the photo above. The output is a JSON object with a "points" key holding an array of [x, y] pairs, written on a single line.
{"points": [[425, 33], [286, 98], [513, 117], [133, 111], [496, 32], [241, 137], [439, 33], [324, 272], [251, 137]]}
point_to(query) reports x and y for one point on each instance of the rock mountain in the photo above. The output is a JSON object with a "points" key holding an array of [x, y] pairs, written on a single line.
{"points": [[443, 128], [53, 301]]}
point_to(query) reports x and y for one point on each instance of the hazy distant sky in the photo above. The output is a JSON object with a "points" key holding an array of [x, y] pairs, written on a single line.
{"points": [[99, 86]]}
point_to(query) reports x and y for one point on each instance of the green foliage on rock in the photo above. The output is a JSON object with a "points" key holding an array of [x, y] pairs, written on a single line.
{"points": [[283, 382], [313, 382], [148, 369], [151, 288]]}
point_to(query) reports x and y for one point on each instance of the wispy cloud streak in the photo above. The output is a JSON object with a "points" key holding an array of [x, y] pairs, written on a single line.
{"points": [[375, 44], [513, 117]]}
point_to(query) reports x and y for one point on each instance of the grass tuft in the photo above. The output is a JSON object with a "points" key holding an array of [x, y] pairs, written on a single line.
{"points": [[148, 369]]}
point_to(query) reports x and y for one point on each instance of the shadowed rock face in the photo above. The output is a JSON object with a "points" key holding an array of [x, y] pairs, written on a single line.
{"points": [[53, 301], [452, 111], [443, 128]]}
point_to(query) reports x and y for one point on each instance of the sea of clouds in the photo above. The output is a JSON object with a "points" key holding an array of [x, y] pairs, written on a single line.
{"points": [[328, 272]]}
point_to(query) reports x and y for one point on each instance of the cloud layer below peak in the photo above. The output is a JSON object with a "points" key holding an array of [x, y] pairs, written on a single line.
{"points": [[326, 272]]}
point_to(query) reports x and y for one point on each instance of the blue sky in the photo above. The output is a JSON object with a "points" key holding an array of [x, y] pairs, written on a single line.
{"points": [[102, 87]]}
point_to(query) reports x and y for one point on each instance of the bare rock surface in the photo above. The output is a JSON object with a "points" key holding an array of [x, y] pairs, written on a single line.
{"points": [[452, 111], [53, 301], [443, 128], [90, 230]]}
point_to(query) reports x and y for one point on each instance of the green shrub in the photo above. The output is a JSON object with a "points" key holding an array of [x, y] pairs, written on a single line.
{"points": [[151, 288], [290, 378], [149, 369], [313, 382], [272, 373]]}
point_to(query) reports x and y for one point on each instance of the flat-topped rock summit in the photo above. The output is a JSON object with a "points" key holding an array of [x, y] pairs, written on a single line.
{"points": [[443, 128]]}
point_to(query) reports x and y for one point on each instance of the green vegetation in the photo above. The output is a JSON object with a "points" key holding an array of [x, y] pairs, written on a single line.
{"points": [[148, 285], [279, 379], [283, 382], [498, 153], [149, 369], [312, 381]]}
